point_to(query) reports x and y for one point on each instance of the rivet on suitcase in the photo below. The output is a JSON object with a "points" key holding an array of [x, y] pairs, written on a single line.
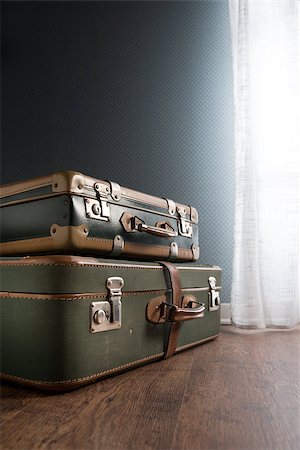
{"points": [[68, 320]]}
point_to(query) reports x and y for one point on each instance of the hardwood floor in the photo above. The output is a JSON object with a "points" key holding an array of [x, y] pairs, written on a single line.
{"points": [[239, 392]]}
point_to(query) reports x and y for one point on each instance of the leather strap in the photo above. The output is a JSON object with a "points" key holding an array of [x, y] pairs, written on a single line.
{"points": [[173, 281]]}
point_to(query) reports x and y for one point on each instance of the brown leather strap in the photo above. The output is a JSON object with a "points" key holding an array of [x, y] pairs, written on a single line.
{"points": [[173, 281]]}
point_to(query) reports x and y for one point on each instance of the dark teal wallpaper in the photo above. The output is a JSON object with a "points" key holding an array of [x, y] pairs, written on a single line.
{"points": [[136, 92]]}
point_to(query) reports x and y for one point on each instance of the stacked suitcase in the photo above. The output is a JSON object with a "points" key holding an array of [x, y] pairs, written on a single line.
{"points": [[96, 279]]}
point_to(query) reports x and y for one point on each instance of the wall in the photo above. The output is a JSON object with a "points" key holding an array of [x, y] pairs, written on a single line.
{"points": [[135, 92]]}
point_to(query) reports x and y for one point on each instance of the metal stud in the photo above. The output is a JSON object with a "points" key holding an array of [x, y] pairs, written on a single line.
{"points": [[96, 209]]}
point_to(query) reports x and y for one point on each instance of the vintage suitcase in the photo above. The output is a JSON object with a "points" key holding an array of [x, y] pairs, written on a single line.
{"points": [[72, 213], [67, 321]]}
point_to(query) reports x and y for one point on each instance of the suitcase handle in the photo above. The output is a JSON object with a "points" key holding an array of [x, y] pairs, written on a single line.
{"points": [[133, 224], [159, 311], [172, 313], [157, 231]]}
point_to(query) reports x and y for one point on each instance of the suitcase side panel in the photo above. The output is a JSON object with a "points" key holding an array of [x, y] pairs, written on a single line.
{"points": [[67, 275], [20, 197], [50, 340], [51, 214], [47, 339], [61, 223], [33, 220]]}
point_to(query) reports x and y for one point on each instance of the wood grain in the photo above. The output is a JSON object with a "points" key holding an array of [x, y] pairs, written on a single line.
{"points": [[239, 392], [245, 396]]}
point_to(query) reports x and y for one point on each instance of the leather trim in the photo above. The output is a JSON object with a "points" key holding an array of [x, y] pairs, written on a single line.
{"points": [[32, 296], [69, 260], [72, 238], [26, 246], [27, 200], [50, 260], [174, 283], [150, 251], [199, 288], [62, 238], [152, 200], [196, 267], [26, 185], [144, 198], [68, 181], [153, 309], [61, 260], [81, 296], [136, 250], [77, 382], [75, 182]]}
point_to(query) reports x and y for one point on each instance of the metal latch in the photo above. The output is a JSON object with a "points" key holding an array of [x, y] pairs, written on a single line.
{"points": [[213, 295], [185, 228], [106, 315], [98, 208]]}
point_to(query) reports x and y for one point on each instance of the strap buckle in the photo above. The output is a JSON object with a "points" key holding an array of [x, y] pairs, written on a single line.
{"points": [[168, 311]]}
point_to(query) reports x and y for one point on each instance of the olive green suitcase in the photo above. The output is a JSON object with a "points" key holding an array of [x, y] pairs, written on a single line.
{"points": [[68, 320], [68, 212]]}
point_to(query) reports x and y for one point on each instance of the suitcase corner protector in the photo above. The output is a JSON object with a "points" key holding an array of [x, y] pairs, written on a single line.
{"points": [[68, 181]]}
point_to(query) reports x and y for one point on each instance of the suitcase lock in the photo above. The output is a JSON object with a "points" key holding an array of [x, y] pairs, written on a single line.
{"points": [[213, 295], [98, 208], [185, 228], [106, 315]]}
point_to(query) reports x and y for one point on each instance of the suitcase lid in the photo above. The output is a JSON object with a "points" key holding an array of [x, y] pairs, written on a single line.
{"points": [[71, 182], [65, 274]]}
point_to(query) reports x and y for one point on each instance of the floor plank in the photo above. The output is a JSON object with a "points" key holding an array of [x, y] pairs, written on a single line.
{"points": [[137, 409], [245, 395], [239, 392]]}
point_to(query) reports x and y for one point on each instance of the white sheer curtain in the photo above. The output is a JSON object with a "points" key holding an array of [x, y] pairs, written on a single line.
{"points": [[266, 53]]}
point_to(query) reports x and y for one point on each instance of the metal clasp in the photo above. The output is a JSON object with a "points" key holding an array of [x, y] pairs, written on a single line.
{"points": [[167, 311], [185, 228], [106, 315], [98, 208], [114, 286], [213, 295]]}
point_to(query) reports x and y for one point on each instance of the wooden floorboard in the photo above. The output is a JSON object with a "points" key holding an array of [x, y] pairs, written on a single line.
{"points": [[245, 395], [238, 392]]}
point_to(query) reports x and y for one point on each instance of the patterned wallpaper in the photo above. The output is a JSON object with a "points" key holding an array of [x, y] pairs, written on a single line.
{"points": [[136, 92]]}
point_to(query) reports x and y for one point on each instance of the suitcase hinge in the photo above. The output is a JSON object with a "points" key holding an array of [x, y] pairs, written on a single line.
{"points": [[185, 228], [116, 191], [213, 295], [171, 207], [106, 315]]}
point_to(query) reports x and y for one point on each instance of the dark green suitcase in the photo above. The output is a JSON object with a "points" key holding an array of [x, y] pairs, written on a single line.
{"points": [[68, 320], [68, 212]]}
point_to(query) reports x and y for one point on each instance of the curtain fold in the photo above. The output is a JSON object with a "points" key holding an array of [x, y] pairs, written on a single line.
{"points": [[266, 68]]}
